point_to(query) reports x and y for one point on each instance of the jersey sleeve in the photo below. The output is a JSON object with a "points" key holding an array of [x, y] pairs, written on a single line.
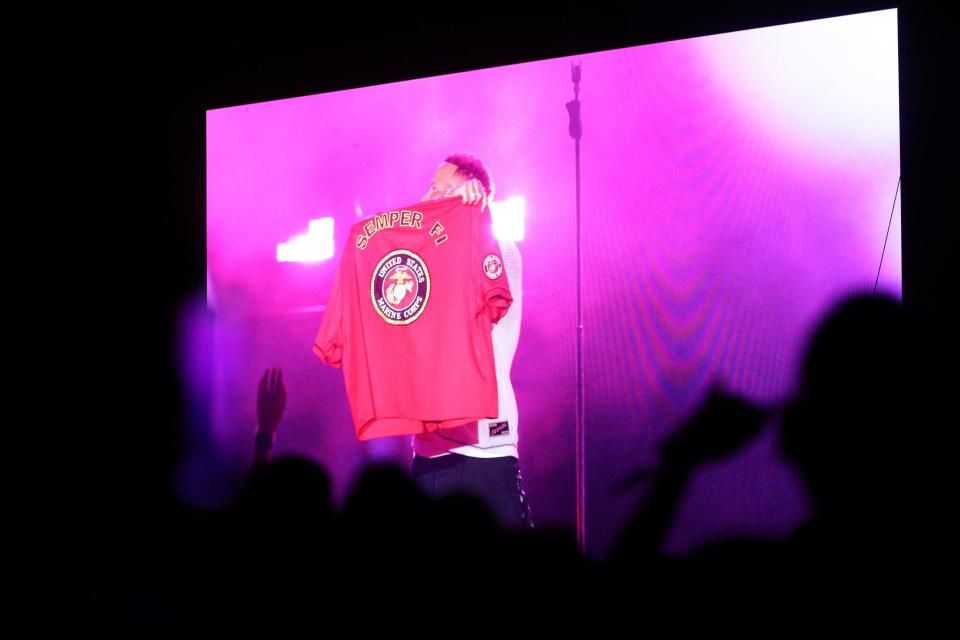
{"points": [[328, 345], [488, 262]]}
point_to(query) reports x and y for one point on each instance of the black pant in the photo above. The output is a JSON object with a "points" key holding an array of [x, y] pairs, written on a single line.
{"points": [[496, 481]]}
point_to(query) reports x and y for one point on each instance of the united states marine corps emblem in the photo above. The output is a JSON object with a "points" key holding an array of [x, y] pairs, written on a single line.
{"points": [[400, 287], [492, 267]]}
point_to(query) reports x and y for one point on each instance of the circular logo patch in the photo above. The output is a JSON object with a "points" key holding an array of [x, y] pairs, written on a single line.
{"points": [[400, 287], [492, 267]]}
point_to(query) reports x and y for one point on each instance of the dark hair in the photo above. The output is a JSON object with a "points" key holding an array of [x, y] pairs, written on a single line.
{"points": [[471, 167]]}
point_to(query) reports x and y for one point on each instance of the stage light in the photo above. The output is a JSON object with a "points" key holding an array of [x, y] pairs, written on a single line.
{"points": [[829, 85], [508, 218], [313, 246]]}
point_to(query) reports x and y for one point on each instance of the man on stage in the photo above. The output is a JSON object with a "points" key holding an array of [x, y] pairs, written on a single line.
{"points": [[481, 457]]}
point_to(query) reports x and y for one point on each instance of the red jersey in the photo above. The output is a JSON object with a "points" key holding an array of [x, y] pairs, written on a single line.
{"points": [[414, 299]]}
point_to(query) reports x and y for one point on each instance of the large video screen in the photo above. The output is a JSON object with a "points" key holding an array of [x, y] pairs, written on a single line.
{"points": [[732, 188]]}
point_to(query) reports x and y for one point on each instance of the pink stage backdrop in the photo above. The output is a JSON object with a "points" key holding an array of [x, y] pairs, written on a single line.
{"points": [[733, 188]]}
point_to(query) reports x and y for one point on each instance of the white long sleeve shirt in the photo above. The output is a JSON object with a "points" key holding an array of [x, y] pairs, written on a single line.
{"points": [[489, 438]]}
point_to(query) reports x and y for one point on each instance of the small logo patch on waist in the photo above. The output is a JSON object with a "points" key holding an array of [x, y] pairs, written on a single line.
{"points": [[501, 428]]}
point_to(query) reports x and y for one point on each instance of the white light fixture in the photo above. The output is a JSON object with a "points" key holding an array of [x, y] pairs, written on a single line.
{"points": [[507, 218], [313, 246]]}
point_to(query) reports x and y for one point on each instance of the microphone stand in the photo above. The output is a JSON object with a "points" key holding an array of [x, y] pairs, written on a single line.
{"points": [[575, 130]]}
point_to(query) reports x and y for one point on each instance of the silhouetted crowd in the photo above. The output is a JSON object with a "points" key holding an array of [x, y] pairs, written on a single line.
{"points": [[282, 562]]}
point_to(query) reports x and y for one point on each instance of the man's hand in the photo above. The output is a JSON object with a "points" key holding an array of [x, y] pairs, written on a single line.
{"points": [[271, 400], [475, 193], [472, 192]]}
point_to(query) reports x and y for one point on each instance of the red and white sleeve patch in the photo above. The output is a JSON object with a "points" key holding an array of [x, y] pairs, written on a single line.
{"points": [[492, 266]]}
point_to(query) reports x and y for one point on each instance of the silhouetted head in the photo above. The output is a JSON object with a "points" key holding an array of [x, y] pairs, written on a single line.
{"points": [[383, 495], [289, 489], [846, 428]]}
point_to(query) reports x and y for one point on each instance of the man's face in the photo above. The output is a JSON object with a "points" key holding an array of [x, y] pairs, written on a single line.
{"points": [[445, 177]]}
